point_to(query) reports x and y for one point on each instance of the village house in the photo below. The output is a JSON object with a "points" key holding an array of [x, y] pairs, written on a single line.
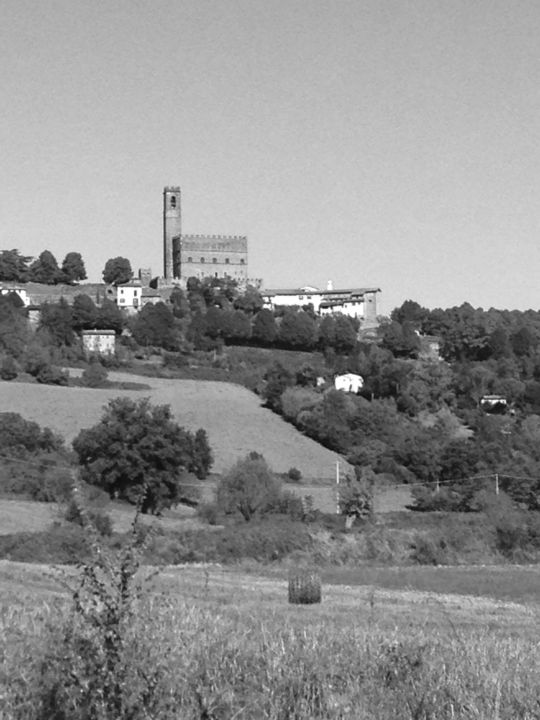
{"points": [[358, 303], [349, 382], [100, 342]]}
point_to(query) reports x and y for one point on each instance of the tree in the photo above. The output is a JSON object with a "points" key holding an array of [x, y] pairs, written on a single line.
{"points": [[298, 330], [117, 271], [136, 451], [14, 266], [57, 320], [21, 436], [14, 330], [201, 458], [154, 325], [45, 269], [249, 488], [109, 317], [264, 327], [73, 268], [84, 313]]}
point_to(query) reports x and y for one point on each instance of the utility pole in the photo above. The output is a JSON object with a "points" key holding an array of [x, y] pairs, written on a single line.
{"points": [[337, 487]]}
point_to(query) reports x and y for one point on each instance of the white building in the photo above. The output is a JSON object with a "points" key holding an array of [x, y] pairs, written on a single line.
{"points": [[102, 342], [360, 303], [349, 382], [128, 295]]}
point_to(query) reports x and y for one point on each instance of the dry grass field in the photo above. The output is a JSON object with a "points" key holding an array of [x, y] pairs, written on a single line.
{"points": [[223, 644], [232, 416]]}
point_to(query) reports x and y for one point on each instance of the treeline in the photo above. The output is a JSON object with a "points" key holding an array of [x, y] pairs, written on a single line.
{"points": [[15, 267], [419, 421]]}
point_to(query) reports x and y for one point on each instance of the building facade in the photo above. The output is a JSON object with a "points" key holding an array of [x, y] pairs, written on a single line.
{"points": [[359, 303], [199, 256]]}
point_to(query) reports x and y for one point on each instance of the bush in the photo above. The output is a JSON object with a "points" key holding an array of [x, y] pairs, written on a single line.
{"points": [[249, 488], [51, 375], [63, 544], [210, 512], [294, 475], [9, 368], [430, 549], [95, 376], [272, 539], [100, 520]]}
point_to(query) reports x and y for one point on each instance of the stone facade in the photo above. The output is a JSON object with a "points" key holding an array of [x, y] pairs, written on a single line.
{"points": [[102, 342], [200, 256], [214, 256]]}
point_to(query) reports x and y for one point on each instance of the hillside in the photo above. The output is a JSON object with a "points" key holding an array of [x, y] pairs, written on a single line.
{"points": [[232, 416]]}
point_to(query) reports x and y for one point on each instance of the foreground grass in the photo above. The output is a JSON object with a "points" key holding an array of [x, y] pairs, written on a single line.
{"points": [[213, 644]]}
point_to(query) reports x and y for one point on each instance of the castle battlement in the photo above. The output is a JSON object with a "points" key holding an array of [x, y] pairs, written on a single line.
{"points": [[192, 236], [171, 188]]}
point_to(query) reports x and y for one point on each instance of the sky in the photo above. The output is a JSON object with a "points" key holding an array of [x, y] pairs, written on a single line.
{"points": [[375, 143]]}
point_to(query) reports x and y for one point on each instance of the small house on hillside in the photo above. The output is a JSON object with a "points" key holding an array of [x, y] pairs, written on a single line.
{"points": [[349, 382], [100, 342], [495, 404]]}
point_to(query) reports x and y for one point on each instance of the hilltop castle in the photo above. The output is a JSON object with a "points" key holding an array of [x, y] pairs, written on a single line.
{"points": [[199, 256]]}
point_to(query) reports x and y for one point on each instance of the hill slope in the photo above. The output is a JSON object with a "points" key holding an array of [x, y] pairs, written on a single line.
{"points": [[232, 416]]}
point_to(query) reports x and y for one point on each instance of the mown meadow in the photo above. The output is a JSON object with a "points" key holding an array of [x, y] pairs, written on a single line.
{"points": [[204, 642]]}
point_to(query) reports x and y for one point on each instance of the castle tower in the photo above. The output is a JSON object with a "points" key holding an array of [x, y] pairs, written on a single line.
{"points": [[172, 230]]}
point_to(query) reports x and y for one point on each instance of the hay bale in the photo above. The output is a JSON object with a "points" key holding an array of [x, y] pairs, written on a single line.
{"points": [[305, 587]]}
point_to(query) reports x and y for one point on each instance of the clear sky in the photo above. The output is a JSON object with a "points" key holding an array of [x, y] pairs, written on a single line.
{"points": [[388, 143]]}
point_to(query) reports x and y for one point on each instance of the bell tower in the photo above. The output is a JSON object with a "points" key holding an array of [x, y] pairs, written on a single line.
{"points": [[172, 230]]}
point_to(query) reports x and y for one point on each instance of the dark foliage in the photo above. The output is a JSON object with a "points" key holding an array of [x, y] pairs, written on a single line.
{"points": [[137, 451]]}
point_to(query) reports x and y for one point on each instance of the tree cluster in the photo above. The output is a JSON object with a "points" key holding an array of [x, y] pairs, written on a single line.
{"points": [[44, 269]]}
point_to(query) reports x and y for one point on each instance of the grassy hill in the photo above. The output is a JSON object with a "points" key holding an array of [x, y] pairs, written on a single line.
{"points": [[232, 416]]}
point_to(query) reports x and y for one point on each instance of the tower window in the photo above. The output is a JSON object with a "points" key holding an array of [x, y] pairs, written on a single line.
{"points": [[173, 201], [202, 260], [190, 259], [227, 260], [242, 261], [214, 260]]}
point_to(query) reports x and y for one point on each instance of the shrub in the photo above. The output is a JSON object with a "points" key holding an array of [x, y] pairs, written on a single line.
{"points": [[294, 475], [100, 520], [290, 504], [209, 512], [429, 549], [62, 544], [9, 368], [272, 539], [51, 375], [95, 375]]}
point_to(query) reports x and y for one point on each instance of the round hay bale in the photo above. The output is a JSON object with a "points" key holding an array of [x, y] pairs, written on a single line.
{"points": [[305, 587]]}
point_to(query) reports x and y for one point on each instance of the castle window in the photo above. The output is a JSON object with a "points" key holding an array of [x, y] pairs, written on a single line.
{"points": [[214, 260], [227, 260], [190, 259], [202, 260], [173, 201], [242, 261]]}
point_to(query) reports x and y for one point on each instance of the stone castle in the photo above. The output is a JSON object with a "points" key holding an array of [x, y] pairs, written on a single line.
{"points": [[198, 256]]}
